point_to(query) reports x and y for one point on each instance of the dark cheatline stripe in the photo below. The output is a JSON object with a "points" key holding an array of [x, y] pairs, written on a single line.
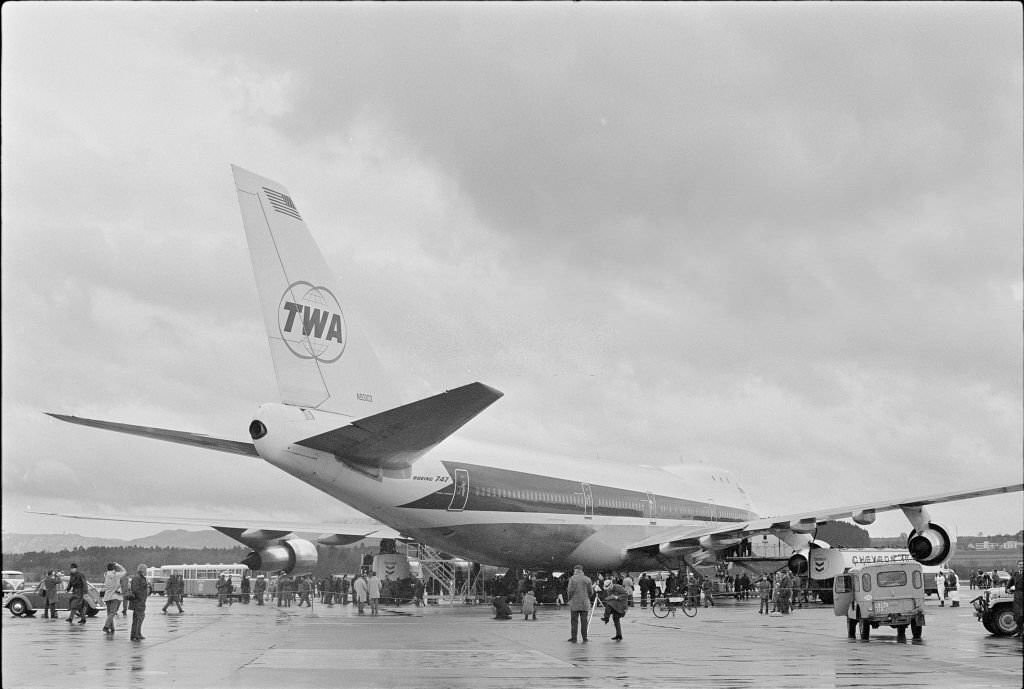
{"points": [[501, 490]]}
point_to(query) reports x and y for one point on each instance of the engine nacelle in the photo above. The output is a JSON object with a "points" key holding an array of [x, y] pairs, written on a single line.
{"points": [[289, 555], [797, 562], [931, 546]]}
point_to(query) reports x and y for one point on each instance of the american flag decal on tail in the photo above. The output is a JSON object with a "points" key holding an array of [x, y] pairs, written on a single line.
{"points": [[282, 203]]}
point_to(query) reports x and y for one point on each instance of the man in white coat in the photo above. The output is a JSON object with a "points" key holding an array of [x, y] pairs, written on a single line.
{"points": [[360, 591]]}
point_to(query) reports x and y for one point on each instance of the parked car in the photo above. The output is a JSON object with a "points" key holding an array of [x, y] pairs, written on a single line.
{"points": [[28, 601]]}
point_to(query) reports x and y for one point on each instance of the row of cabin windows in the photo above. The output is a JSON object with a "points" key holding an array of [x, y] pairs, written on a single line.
{"points": [[668, 511]]}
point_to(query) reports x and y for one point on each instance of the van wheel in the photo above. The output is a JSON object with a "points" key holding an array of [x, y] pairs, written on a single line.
{"points": [[851, 628], [915, 630], [865, 630]]}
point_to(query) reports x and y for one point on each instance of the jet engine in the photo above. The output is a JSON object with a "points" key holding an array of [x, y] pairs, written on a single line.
{"points": [[931, 546], [797, 562], [288, 555]]}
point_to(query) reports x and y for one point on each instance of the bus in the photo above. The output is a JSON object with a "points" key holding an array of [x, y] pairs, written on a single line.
{"points": [[201, 580]]}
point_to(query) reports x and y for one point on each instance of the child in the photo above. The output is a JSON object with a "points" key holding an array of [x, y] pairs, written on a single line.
{"points": [[529, 605]]}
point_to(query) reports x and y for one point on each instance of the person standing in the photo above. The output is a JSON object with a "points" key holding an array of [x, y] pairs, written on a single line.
{"points": [[627, 581], [763, 589], [1017, 584], [111, 594], [49, 591], [529, 605], [76, 585], [139, 591], [222, 590], [259, 588], [707, 587], [126, 586], [579, 592], [360, 592], [245, 587], [373, 587], [940, 587], [175, 591], [615, 604], [304, 591]]}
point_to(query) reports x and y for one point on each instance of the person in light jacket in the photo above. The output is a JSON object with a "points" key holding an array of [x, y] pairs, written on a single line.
{"points": [[373, 587], [359, 592], [111, 593]]}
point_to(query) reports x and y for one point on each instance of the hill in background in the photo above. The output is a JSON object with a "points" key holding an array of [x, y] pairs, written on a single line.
{"points": [[171, 538]]}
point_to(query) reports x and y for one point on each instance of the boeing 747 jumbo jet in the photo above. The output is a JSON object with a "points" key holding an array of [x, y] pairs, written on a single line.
{"points": [[340, 428]]}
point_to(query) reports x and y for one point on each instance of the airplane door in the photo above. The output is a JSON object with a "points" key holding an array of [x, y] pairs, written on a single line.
{"points": [[460, 494], [588, 501], [651, 509]]}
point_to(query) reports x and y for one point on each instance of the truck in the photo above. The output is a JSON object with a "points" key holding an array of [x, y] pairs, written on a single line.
{"points": [[871, 595], [994, 609]]}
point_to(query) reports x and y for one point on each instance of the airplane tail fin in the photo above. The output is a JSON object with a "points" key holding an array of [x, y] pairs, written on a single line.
{"points": [[321, 359]]}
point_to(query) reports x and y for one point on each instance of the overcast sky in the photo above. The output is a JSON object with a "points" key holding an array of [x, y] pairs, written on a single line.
{"points": [[781, 239]]}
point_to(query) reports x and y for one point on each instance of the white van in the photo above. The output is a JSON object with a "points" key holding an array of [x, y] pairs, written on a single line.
{"points": [[891, 594]]}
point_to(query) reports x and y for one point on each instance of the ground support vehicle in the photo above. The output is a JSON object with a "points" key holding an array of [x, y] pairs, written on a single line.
{"points": [[27, 602], [664, 605], [994, 609], [872, 595]]}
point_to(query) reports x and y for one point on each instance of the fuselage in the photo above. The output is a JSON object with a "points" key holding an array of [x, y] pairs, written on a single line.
{"points": [[544, 513]]}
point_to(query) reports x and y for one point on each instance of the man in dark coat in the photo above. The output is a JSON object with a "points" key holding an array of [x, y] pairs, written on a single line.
{"points": [[579, 591], [76, 585], [139, 591], [616, 598], [1017, 584], [48, 588]]}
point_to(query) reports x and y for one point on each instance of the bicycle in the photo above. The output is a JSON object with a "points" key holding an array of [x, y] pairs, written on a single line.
{"points": [[661, 607]]}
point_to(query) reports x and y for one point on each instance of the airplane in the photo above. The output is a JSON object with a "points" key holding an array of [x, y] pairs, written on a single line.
{"points": [[340, 427]]}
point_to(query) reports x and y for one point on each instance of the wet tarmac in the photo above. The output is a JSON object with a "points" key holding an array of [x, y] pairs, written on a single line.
{"points": [[729, 645]]}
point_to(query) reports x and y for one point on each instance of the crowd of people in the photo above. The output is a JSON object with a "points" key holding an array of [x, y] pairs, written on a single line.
{"points": [[778, 594]]}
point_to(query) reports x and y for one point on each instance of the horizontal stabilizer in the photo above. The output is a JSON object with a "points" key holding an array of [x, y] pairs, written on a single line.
{"points": [[180, 437], [394, 439]]}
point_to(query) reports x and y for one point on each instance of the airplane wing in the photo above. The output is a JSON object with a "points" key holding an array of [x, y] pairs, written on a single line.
{"points": [[396, 438], [254, 534], [801, 522], [180, 437]]}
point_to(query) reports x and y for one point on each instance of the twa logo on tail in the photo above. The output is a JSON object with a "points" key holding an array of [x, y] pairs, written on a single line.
{"points": [[311, 323]]}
